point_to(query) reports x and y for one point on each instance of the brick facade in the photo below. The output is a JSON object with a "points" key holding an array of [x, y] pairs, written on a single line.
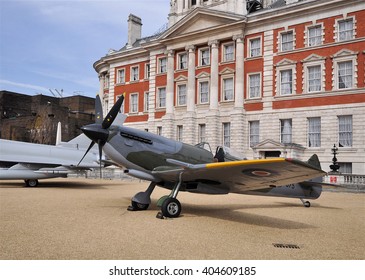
{"points": [[35, 118]]}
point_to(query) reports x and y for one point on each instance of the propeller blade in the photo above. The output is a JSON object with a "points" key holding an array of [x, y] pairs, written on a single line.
{"points": [[100, 145], [88, 149], [112, 114], [98, 110]]}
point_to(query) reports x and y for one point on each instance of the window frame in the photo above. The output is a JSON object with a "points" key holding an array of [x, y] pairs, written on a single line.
{"points": [[308, 78], [201, 57], [202, 132], [224, 135], [344, 56], [133, 78], [147, 71], [133, 97], [337, 73], [178, 86], [282, 134], [338, 32], [179, 133], [119, 80], [291, 83], [250, 41], [308, 39], [253, 136], [180, 61], [106, 81], [316, 134], [158, 101], [223, 97], [249, 75], [343, 131], [146, 101], [162, 67], [224, 52], [200, 82], [281, 42]]}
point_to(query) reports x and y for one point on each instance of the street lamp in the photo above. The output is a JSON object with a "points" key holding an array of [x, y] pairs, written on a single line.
{"points": [[334, 167]]}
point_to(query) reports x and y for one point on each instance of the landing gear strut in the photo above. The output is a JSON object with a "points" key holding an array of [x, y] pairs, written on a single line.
{"points": [[305, 203], [171, 207], [142, 200]]}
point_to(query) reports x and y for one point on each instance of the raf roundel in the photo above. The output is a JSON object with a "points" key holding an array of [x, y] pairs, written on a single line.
{"points": [[261, 173], [258, 172]]}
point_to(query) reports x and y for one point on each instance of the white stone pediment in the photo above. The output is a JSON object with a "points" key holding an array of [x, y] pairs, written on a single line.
{"points": [[181, 78], [269, 144], [285, 62], [200, 20], [202, 75], [226, 71], [344, 52]]}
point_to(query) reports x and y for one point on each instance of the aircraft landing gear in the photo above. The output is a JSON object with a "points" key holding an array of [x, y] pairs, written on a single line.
{"points": [[171, 207], [142, 200], [305, 203], [32, 183]]}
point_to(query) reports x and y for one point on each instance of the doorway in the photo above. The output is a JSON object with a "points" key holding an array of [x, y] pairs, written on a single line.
{"points": [[272, 154]]}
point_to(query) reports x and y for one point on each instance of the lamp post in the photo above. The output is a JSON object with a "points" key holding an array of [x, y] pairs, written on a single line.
{"points": [[334, 167]]}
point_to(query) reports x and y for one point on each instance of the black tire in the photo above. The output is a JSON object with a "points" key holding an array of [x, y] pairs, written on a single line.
{"points": [[139, 206], [171, 208], [31, 183], [307, 204]]}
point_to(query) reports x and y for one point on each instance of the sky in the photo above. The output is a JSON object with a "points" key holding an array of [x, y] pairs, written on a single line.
{"points": [[50, 44]]}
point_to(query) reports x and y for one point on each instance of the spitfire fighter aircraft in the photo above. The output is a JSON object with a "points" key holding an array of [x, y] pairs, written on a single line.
{"points": [[31, 162], [181, 167]]}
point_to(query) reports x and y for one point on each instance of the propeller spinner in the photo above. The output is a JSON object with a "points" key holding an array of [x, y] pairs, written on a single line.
{"points": [[98, 132]]}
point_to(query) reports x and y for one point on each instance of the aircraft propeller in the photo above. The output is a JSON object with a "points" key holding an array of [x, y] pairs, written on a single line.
{"points": [[98, 132]]}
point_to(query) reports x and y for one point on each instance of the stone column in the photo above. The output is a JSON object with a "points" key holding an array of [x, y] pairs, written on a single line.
{"points": [[170, 83], [237, 116], [214, 75], [190, 115], [239, 85], [190, 95], [168, 119]]}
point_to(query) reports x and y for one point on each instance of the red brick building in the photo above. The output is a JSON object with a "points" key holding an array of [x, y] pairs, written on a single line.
{"points": [[267, 78]]}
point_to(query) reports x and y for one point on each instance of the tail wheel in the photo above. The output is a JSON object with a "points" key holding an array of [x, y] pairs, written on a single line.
{"points": [[307, 204], [171, 208]]}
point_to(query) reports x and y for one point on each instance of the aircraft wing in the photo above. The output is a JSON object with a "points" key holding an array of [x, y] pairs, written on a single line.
{"points": [[241, 176]]}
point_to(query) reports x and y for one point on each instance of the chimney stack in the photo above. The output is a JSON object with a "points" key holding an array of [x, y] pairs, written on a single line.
{"points": [[134, 29]]}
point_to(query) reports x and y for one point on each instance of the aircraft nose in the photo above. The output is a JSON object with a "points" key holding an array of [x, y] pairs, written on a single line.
{"points": [[95, 132]]}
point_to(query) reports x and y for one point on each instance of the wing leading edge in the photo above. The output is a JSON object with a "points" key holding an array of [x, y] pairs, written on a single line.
{"points": [[242, 176]]}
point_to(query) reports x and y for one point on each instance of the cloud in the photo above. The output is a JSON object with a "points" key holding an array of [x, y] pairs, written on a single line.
{"points": [[21, 85]]}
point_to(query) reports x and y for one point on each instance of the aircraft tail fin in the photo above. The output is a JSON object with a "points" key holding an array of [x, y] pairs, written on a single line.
{"points": [[314, 161], [59, 134]]}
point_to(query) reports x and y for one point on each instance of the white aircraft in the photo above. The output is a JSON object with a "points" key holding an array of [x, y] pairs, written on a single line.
{"points": [[31, 162]]}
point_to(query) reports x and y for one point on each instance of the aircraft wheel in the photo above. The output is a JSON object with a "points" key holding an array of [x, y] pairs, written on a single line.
{"points": [[31, 183], [139, 206], [307, 204], [171, 208]]}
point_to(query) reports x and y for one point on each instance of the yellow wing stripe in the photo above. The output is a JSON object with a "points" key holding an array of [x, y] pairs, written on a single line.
{"points": [[243, 162]]}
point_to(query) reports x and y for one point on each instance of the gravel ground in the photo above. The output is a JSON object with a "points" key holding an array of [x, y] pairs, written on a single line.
{"points": [[87, 219]]}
